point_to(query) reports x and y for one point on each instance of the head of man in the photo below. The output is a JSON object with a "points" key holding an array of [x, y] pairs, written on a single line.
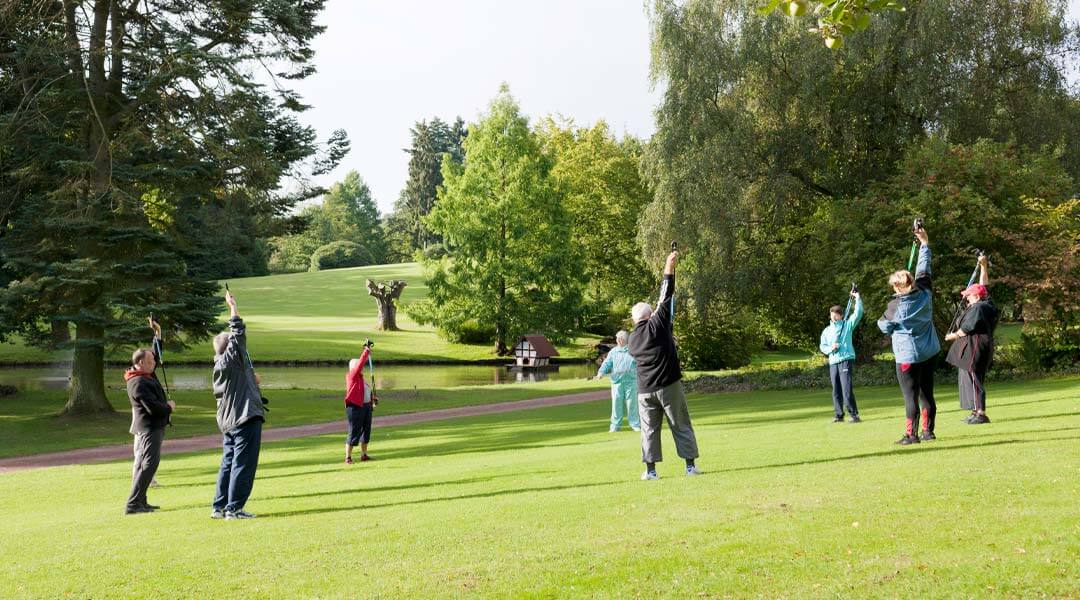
{"points": [[641, 312], [353, 363], [143, 360], [974, 293], [621, 337], [221, 342], [902, 281], [836, 313]]}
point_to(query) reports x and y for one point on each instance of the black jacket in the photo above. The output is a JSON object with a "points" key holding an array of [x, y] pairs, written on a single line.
{"points": [[149, 406], [652, 344], [974, 351]]}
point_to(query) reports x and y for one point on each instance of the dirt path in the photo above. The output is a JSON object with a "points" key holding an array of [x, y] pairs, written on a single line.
{"points": [[84, 456]]}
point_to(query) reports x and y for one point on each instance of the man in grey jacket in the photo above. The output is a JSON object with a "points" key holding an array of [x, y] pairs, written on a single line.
{"points": [[240, 416]]}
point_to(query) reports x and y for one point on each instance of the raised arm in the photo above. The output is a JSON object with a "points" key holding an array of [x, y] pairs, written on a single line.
{"points": [[667, 289], [857, 314], [984, 275]]}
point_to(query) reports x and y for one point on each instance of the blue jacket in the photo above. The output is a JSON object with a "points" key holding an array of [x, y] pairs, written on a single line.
{"points": [[909, 318], [620, 365], [840, 332]]}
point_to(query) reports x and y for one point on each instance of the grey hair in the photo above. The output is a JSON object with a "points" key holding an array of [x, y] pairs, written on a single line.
{"points": [[621, 337], [221, 342], [353, 362], [641, 311]]}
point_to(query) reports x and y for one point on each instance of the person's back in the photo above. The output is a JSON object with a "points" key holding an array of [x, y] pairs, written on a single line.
{"points": [[238, 396], [909, 318], [652, 345]]}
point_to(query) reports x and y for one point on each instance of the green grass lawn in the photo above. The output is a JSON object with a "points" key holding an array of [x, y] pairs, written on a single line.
{"points": [[29, 425], [324, 316], [546, 503]]}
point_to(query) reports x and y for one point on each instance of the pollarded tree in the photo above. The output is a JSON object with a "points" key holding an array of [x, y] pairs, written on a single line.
{"points": [[117, 116], [512, 263]]}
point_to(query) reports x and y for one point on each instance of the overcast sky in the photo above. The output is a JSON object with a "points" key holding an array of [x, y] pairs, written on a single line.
{"points": [[383, 65]]}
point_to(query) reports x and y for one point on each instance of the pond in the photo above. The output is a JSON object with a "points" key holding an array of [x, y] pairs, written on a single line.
{"points": [[387, 377]]}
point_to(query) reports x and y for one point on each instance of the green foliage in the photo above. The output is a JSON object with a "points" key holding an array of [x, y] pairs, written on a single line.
{"points": [[709, 341], [473, 332], [835, 18], [340, 254], [512, 262]]}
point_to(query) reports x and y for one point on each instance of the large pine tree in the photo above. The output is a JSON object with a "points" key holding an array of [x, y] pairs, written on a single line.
{"points": [[118, 120]]}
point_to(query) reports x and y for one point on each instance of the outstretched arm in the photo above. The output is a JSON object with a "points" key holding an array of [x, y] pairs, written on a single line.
{"points": [[984, 275], [667, 289]]}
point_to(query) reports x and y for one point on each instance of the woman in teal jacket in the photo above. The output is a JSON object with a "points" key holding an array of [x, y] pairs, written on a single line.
{"points": [[909, 319], [623, 370], [836, 344]]}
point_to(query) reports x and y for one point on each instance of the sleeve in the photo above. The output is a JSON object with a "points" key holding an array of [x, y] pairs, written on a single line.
{"points": [[363, 360], [824, 345], [145, 396], [663, 306], [923, 279], [237, 348], [856, 316], [887, 326], [606, 366]]}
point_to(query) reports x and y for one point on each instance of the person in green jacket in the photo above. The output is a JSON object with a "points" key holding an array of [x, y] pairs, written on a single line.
{"points": [[623, 370], [836, 344]]}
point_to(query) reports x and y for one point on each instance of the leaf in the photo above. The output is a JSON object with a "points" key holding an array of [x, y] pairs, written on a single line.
{"points": [[768, 8]]}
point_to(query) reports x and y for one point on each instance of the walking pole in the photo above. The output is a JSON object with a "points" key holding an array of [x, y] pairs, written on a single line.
{"points": [[959, 305], [159, 350], [847, 309], [371, 370], [918, 224], [674, 248]]}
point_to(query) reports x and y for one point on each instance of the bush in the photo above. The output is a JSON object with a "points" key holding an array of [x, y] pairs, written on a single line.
{"points": [[709, 344], [472, 332], [340, 254], [434, 252]]}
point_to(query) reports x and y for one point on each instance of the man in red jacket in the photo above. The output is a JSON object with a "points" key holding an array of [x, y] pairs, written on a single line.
{"points": [[359, 401]]}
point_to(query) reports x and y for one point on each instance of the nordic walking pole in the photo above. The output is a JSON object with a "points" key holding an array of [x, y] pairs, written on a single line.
{"points": [[960, 303], [847, 309], [159, 351], [371, 369], [918, 224], [674, 248]]}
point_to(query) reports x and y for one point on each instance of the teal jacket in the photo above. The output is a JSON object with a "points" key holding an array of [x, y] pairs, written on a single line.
{"points": [[840, 332], [909, 318], [621, 366]]}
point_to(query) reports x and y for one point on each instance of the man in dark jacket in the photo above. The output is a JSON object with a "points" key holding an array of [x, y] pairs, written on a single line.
{"points": [[150, 410], [973, 346], [659, 379], [240, 416]]}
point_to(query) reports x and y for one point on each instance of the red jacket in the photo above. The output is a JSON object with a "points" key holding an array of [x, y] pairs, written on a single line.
{"points": [[354, 382]]}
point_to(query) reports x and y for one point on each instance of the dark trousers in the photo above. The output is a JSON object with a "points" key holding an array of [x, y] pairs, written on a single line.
{"points": [[972, 390], [239, 459], [653, 407], [843, 394], [359, 418], [147, 459], [917, 385]]}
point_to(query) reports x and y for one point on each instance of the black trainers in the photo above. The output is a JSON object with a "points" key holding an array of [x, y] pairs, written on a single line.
{"points": [[135, 510], [978, 420], [907, 440], [838, 420], [927, 436], [855, 419], [151, 506]]}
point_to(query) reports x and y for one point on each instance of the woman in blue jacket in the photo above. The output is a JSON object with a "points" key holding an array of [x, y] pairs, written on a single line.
{"points": [[909, 319]]}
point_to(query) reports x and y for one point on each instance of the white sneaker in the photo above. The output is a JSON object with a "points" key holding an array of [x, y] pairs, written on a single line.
{"points": [[238, 514], [217, 514], [692, 470], [636, 428], [612, 429], [649, 476]]}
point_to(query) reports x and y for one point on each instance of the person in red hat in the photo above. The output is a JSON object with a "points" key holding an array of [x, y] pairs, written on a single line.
{"points": [[973, 346]]}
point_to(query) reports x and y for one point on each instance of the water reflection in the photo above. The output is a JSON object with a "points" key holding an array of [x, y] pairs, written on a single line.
{"points": [[387, 377]]}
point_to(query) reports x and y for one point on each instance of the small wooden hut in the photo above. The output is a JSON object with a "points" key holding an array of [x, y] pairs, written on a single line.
{"points": [[534, 352]]}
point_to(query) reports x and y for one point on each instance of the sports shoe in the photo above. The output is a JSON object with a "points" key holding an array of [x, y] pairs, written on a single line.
{"points": [[612, 429], [635, 428], [217, 514], [649, 476], [855, 419], [927, 436], [348, 460], [968, 418], [838, 420], [978, 420], [692, 470], [151, 506], [907, 440], [365, 458], [135, 510], [238, 514]]}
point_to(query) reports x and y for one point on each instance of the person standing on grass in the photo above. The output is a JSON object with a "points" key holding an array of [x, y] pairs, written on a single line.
{"points": [[133, 430], [360, 402], [623, 370], [836, 344], [973, 346], [150, 411], [659, 378], [909, 319], [240, 416]]}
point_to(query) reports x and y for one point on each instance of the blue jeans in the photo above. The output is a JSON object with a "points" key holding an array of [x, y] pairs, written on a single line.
{"points": [[842, 392], [239, 459]]}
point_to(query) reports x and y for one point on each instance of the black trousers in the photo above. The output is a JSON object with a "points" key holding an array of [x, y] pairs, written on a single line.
{"points": [[359, 418], [972, 389], [917, 385], [843, 394], [147, 459]]}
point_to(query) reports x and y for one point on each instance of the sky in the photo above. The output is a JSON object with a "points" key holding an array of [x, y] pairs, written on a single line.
{"points": [[384, 65]]}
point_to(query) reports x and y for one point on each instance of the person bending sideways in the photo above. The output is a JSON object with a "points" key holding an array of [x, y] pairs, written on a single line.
{"points": [[909, 319], [623, 370], [360, 401], [240, 416], [659, 379], [973, 346], [836, 344]]}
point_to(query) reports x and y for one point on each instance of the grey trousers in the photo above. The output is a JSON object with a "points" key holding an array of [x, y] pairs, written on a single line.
{"points": [[147, 458], [653, 407]]}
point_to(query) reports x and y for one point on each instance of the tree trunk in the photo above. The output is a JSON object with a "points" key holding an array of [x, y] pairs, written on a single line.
{"points": [[60, 333], [385, 294], [87, 394]]}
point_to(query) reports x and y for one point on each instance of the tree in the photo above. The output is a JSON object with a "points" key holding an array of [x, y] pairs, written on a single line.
{"points": [[386, 294], [116, 117], [835, 18], [512, 263], [600, 182], [352, 215]]}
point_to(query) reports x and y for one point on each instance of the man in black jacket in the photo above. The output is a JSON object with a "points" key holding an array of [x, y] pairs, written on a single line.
{"points": [[150, 410], [659, 378]]}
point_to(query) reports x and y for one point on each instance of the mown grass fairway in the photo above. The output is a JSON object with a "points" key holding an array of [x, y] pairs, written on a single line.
{"points": [[546, 503], [322, 316]]}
